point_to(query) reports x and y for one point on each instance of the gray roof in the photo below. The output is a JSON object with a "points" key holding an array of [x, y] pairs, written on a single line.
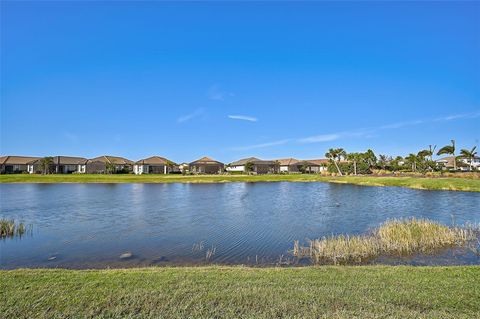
{"points": [[64, 160]]}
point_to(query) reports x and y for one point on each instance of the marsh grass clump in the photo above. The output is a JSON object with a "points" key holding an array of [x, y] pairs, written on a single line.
{"points": [[420, 235], [394, 237], [9, 228], [343, 249]]}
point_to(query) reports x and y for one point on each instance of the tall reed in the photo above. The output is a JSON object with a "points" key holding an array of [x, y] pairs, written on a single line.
{"points": [[9, 228], [394, 237]]}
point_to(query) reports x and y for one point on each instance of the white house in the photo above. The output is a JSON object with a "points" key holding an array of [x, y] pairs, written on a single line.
{"points": [[463, 163]]}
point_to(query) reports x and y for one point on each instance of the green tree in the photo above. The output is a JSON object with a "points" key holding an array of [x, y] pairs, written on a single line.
{"points": [[170, 166], [355, 158], [276, 167], [249, 167], [470, 154], [335, 155], [449, 149], [383, 161], [370, 158], [423, 154], [395, 163], [431, 151], [45, 164], [412, 159], [110, 168]]}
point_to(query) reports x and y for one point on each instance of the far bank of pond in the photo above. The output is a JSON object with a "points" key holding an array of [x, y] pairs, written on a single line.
{"points": [[433, 183]]}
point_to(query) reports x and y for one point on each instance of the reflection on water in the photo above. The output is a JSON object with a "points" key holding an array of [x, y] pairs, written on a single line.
{"points": [[92, 225]]}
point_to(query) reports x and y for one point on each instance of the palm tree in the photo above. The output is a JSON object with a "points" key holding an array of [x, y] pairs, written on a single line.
{"points": [[276, 167], [470, 154], [431, 150], [370, 158], [449, 149], [423, 153], [249, 167], [334, 155], [110, 168], [383, 161], [45, 164], [412, 159], [354, 157]]}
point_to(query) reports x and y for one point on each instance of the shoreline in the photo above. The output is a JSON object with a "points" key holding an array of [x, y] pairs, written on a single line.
{"points": [[417, 182]]}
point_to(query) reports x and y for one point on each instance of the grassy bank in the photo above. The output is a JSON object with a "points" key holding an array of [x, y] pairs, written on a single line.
{"points": [[228, 292], [436, 183]]}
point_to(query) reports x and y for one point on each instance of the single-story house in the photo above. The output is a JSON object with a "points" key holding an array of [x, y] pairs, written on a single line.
{"points": [[154, 165], [293, 165], [463, 163], [322, 164], [101, 164], [59, 165], [15, 164], [206, 165], [258, 166], [285, 163]]}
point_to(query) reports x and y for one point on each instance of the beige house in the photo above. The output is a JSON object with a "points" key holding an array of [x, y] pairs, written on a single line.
{"points": [[154, 165], [101, 164], [15, 164], [206, 165], [293, 165]]}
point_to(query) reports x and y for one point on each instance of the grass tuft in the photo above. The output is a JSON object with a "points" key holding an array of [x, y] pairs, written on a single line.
{"points": [[9, 228], [394, 237]]}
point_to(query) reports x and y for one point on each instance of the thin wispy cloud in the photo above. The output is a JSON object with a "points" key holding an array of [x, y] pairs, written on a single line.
{"points": [[262, 145], [217, 94], [400, 124], [185, 118], [360, 133], [370, 131], [458, 116], [243, 118], [320, 138]]}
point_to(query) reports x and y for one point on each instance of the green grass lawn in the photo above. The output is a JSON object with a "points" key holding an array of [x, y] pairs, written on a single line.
{"points": [[460, 184], [240, 292]]}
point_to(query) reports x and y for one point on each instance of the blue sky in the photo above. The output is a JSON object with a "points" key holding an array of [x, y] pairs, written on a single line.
{"points": [[232, 80]]}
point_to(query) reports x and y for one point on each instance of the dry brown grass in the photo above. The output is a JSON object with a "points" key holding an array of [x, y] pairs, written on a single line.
{"points": [[394, 237]]}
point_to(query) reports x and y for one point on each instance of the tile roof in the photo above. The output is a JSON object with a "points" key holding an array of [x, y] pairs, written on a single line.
{"points": [[16, 160], [64, 160], [112, 159], [206, 160], [154, 160]]}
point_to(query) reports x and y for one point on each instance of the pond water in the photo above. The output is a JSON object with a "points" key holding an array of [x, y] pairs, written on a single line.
{"points": [[92, 225]]}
